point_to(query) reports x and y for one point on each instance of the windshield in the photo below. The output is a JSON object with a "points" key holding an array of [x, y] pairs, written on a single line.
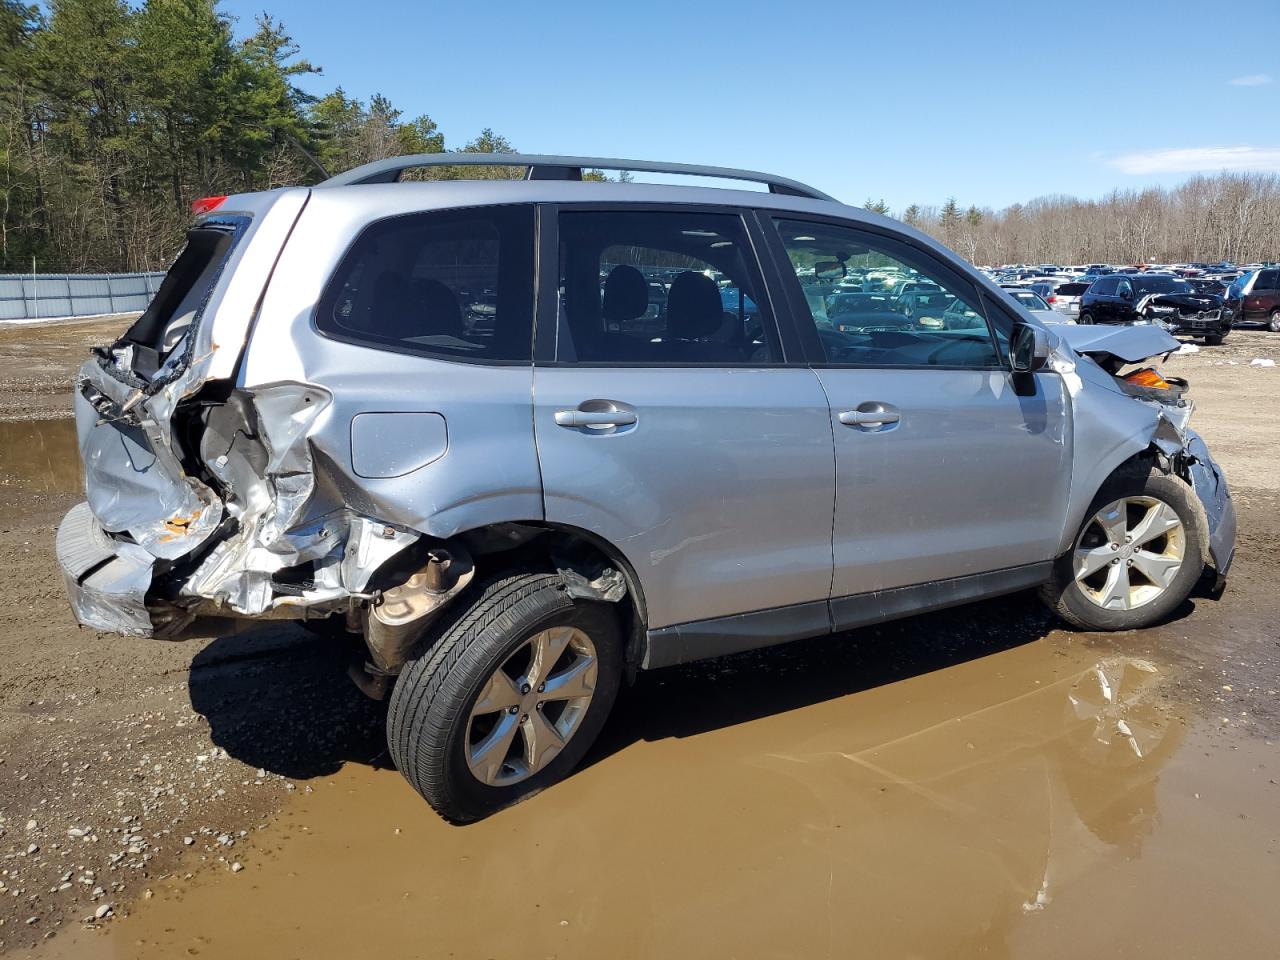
{"points": [[1144, 285], [1030, 301]]}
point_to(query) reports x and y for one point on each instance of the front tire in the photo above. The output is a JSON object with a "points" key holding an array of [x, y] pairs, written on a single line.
{"points": [[1135, 559], [508, 699]]}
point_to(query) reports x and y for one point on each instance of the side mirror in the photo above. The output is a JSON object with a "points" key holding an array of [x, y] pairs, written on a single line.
{"points": [[829, 270], [1029, 348]]}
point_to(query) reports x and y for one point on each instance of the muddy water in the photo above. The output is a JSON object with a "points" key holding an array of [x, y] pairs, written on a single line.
{"points": [[1049, 800], [40, 455]]}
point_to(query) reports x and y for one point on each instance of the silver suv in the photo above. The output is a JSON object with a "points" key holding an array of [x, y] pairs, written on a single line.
{"points": [[520, 439]]}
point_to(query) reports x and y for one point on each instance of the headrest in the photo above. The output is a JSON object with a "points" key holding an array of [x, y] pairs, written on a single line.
{"points": [[693, 307], [626, 294], [440, 309]]}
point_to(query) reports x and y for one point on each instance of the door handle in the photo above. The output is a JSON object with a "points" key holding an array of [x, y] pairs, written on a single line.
{"points": [[864, 418], [595, 418]]}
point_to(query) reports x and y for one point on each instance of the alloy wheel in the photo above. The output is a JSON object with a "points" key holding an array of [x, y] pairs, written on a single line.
{"points": [[531, 706], [1129, 553]]}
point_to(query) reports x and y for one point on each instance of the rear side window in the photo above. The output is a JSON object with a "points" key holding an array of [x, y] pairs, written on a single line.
{"points": [[1267, 280], [456, 285], [657, 287]]}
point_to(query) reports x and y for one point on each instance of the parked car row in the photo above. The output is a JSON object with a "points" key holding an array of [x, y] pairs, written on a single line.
{"points": [[1197, 299]]}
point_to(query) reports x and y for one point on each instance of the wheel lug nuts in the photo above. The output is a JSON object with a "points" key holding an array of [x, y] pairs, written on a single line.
{"points": [[514, 710], [524, 717], [524, 688], [542, 688], [1116, 560]]}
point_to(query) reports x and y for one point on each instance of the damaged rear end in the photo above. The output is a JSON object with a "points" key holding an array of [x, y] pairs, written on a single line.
{"points": [[196, 488]]}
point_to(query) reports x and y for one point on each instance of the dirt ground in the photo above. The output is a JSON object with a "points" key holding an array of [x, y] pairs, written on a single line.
{"points": [[977, 782]]}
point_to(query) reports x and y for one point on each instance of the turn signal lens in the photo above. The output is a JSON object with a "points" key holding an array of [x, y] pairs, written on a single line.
{"points": [[1146, 377], [207, 205]]}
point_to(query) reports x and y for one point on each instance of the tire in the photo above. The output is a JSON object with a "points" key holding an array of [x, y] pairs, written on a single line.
{"points": [[430, 729], [1214, 341], [1273, 321], [1079, 602], [1085, 318]]}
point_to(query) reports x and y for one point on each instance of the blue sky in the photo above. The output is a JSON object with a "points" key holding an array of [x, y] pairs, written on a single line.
{"points": [[993, 103]]}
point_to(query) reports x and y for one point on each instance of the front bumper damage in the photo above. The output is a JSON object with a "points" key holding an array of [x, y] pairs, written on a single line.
{"points": [[1121, 423]]}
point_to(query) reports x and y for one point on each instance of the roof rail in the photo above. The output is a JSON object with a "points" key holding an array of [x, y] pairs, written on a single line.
{"points": [[560, 168]]}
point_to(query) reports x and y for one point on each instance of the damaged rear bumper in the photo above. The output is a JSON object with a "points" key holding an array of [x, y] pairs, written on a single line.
{"points": [[107, 580]]}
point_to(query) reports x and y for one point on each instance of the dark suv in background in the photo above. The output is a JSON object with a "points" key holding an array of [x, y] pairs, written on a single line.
{"points": [[1146, 297], [1256, 297]]}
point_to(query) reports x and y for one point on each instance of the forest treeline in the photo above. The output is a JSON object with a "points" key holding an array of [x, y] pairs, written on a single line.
{"points": [[1228, 216], [114, 117]]}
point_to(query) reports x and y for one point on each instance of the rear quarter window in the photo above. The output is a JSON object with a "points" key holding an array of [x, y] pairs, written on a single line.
{"points": [[456, 284]]}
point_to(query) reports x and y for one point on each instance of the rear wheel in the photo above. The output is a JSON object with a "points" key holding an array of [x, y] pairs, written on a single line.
{"points": [[510, 697], [1273, 321], [1085, 318], [1136, 557]]}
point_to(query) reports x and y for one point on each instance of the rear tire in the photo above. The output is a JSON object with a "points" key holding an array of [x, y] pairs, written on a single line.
{"points": [[468, 761], [1085, 318], [1273, 321], [1096, 587]]}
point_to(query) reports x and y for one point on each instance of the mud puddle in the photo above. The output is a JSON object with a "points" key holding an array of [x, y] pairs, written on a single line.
{"points": [[1050, 799], [40, 456]]}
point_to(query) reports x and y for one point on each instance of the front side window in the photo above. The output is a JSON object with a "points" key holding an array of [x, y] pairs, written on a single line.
{"points": [[880, 302], [658, 287], [456, 285]]}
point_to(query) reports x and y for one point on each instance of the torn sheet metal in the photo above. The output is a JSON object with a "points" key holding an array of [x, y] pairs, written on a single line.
{"points": [[1129, 343], [106, 580]]}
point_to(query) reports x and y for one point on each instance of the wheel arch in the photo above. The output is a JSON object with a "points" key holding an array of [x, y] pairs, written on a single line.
{"points": [[581, 556]]}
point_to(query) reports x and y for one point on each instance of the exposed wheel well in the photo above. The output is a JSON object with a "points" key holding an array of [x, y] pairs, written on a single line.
{"points": [[584, 557]]}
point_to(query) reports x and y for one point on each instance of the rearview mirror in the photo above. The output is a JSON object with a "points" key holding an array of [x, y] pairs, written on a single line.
{"points": [[829, 270], [1029, 348]]}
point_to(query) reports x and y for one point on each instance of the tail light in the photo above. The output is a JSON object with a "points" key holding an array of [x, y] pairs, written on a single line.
{"points": [[1147, 377], [1051, 299], [206, 205]]}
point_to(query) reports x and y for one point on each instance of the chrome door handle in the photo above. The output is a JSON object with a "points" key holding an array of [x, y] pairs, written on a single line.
{"points": [[861, 418], [595, 418]]}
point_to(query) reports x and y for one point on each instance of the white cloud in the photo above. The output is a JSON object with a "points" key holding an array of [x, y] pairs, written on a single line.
{"points": [[1191, 159], [1252, 80]]}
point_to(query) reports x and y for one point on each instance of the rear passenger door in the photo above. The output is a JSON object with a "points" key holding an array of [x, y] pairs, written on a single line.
{"points": [[942, 470], [673, 421]]}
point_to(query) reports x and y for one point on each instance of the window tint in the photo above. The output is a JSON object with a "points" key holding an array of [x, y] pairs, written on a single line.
{"points": [[1267, 280], [183, 293], [1123, 287], [653, 287], [928, 316], [457, 285]]}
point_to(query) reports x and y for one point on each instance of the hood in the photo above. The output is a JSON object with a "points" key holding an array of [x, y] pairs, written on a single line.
{"points": [[1131, 344], [1186, 301]]}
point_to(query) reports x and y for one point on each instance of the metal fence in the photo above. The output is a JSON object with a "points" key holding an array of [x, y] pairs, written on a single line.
{"points": [[44, 296]]}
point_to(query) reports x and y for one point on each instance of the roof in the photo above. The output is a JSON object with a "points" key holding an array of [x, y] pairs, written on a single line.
{"points": [[543, 167]]}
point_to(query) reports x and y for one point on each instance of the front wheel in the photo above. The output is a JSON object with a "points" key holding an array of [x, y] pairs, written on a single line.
{"points": [[1213, 341], [508, 699], [1137, 556]]}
